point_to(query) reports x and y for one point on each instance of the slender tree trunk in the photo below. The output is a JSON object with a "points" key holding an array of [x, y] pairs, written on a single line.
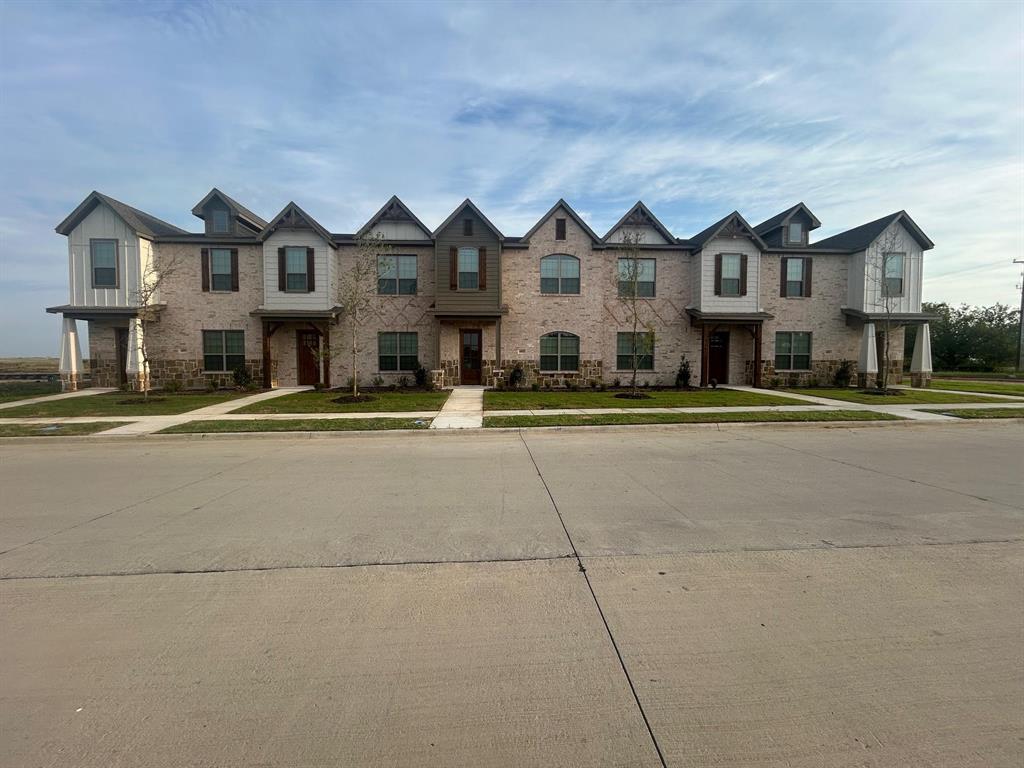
{"points": [[636, 357], [355, 357]]}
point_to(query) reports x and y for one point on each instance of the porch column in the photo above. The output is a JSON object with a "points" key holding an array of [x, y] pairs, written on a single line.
{"points": [[705, 355], [70, 356], [867, 364], [325, 346], [267, 383], [757, 355], [136, 368], [921, 362]]}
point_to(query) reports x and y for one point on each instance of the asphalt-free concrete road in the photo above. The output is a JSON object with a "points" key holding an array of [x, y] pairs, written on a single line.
{"points": [[752, 597]]}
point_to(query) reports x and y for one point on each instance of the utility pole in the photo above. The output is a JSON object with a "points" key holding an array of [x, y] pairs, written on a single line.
{"points": [[1020, 341]]}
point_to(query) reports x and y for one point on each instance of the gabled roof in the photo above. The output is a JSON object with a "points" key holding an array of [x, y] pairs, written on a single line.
{"points": [[859, 238], [467, 203], [239, 209], [572, 214], [142, 222], [733, 221], [640, 214], [394, 210], [780, 219], [293, 216]]}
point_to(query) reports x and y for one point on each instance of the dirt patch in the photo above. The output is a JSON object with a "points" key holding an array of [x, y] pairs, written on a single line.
{"points": [[632, 395], [349, 399]]}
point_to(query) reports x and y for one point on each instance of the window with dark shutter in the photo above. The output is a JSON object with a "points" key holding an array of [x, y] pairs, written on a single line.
{"points": [[483, 269], [310, 270], [282, 270], [221, 276], [743, 275], [559, 229], [453, 268], [204, 266], [234, 269]]}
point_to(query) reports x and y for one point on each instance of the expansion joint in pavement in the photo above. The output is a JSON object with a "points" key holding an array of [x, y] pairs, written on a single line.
{"points": [[597, 603]]}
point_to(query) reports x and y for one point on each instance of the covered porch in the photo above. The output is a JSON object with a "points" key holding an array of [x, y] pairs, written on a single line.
{"points": [[468, 350], [730, 344], [872, 354], [296, 346]]}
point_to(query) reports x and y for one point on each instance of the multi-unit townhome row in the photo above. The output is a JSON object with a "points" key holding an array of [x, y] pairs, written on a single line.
{"points": [[743, 304]]}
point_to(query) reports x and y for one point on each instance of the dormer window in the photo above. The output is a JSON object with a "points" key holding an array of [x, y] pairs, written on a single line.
{"points": [[221, 224], [795, 233]]}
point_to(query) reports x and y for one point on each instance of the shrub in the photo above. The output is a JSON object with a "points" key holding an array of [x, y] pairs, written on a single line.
{"points": [[684, 374], [378, 381], [403, 381], [241, 376], [319, 386], [616, 382], [515, 378], [171, 386], [574, 386], [535, 386], [843, 374], [813, 382], [422, 375]]}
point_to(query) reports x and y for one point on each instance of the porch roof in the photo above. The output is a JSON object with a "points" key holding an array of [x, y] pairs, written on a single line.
{"points": [[78, 312], [697, 317], [299, 315], [898, 317]]}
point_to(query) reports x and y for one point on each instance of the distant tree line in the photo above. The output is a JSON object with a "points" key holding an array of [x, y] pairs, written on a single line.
{"points": [[967, 338]]}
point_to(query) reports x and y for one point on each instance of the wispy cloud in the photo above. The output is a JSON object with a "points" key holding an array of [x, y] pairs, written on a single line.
{"points": [[856, 109]]}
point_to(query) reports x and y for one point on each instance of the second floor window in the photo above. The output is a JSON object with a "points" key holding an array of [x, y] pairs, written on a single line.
{"points": [[103, 258], [893, 266], [397, 351], [396, 275], [796, 277], [296, 270], [559, 351], [792, 351], [221, 221], [220, 269], [469, 268], [636, 275], [223, 350], [559, 273], [731, 277]]}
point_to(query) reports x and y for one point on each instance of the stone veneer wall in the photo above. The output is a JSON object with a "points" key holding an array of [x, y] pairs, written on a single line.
{"points": [[590, 372]]}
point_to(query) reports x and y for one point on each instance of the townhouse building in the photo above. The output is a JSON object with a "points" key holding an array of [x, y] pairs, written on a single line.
{"points": [[744, 304]]}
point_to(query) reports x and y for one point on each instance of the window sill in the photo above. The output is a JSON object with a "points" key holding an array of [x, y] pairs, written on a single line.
{"points": [[559, 373], [630, 370], [558, 295]]}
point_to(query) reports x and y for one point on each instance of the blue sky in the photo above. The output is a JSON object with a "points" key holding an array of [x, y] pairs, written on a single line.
{"points": [[857, 109]]}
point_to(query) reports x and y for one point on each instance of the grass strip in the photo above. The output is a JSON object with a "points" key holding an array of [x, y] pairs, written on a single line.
{"points": [[58, 430], [981, 413], [991, 387], [323, 402], [568, 420], [123, 404], [293, 425], [905, 396], [668, 398]]}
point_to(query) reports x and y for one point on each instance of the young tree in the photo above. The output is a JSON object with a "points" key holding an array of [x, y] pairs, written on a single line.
{"points": [[630, 279], [886, 265], [356, 288], [156, 272]]}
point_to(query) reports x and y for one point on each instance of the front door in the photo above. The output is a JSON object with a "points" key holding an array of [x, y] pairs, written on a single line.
{"points": [[470, 365], [308, 344], [718, 357], [122, 355]]}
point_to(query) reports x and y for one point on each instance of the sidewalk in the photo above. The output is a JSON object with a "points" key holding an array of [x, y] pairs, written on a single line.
{"points": [[62, 396], [464, 409]]}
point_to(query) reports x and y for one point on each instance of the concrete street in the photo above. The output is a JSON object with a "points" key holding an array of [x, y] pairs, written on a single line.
{"points": [[783, 596]]}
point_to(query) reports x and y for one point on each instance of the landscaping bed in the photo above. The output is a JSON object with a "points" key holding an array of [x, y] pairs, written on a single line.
{"points": [[897, 396], [981, 413], [328, 402], [506, 400], [57, 430], [569, 420], [125, 404], [294, 425]]}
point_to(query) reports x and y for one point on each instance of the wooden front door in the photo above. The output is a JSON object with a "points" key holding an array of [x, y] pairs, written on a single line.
{"points": [[718, 357], [307, 343], [469, 368], [121, 338]]}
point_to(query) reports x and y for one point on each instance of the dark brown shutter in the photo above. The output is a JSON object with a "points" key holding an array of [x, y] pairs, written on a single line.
{"points": [[453, 268], [782, 276], [807, 276], [234, 269], [483, 269], [718, 274], [281, 284], [743, 275], [310, 270], [204, 258]]}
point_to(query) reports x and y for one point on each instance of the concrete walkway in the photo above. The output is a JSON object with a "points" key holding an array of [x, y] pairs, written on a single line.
{"points": [[62, 396], [464, 409]]}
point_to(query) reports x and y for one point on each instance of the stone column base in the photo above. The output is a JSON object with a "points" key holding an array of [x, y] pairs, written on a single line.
{"points": [[70, 382], [867, 380], [136, 382], [920, 379]]}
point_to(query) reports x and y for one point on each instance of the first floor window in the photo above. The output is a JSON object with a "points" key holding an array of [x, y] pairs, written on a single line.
{"points": [[223, 350], [634, 346], [893, 274], [397, 351], [732, 268], [103, 255], [792, 351], [636, 275], [220, 269], [560, 273], [469, 268], [396, 275], [559, 352], [295, 263]]}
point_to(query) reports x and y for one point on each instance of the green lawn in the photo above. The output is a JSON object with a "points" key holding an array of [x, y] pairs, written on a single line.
{"points": [[908, 396], [981, 413], [992, 387], [122, 404], [320, 402], [992, 375], [23, 390], [295, 425], [670, 398], [569, 420], [57, 430]]}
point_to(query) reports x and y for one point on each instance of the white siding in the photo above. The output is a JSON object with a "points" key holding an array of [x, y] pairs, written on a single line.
{"points": [[103, 223], [651, 236], [708, 301], [865, 291], [322, 297], [400, 230]]}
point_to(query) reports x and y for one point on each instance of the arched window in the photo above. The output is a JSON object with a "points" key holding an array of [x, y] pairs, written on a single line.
{"points": [[559, 351], [560, 273]]}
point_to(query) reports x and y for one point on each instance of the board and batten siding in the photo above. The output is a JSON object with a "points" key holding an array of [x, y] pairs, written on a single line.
{"points": [[865, 288], [708, 301], [469, 301], [103, 224], [323, 260]]}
